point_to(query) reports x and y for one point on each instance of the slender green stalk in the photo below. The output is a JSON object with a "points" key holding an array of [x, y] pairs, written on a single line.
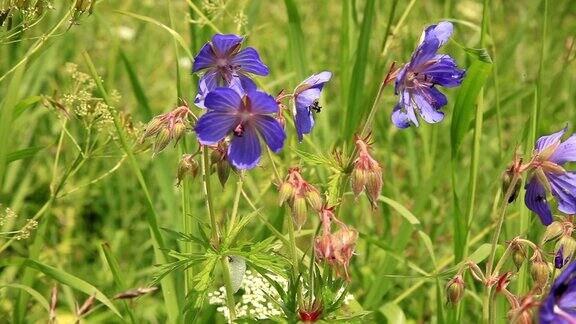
{"points": [[207, 187], [228, 285], [239, 186], [494, 244]]}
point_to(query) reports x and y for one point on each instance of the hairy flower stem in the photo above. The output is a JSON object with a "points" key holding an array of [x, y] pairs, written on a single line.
{"points": [[206, 186], [502, 213], [239, 186], [215, 233]]}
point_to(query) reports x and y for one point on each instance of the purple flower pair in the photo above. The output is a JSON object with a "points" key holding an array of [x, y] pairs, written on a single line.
{"points": [[550, 177], [233, 103], [235, 106], [417, 80]]}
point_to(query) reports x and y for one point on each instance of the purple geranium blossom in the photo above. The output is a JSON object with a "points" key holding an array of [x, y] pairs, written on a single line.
{"points": [[225, 63], [560, 304], [247, 117], [306, 96], [416, 81], [549, 176]]}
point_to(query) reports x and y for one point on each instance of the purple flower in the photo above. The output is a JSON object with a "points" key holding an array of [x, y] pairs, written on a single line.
{"points": [[416, 81], [560, 304], [306, 98], [225, 63], [549, 176], [559, 260], [247, 117]]}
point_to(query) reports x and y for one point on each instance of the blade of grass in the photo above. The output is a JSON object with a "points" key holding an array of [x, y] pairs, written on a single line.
{"points": [[296, 42], [65, 278], [354, 112], [160, 248]]}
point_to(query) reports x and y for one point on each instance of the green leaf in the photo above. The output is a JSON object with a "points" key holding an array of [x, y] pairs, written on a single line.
{"points": [[34, 293], [136, 86], [66, 279], [401, 209], [465, 104], [355, 111], [23, 154], [295, 39], [25, 104], [393, 313]]}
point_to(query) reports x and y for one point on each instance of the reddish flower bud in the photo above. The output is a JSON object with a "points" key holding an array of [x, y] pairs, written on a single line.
{"points": [[298, 193], [367, 173], [167, 128]]}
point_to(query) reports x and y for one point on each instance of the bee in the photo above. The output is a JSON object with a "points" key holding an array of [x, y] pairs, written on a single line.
{"points": [[315, 107]]}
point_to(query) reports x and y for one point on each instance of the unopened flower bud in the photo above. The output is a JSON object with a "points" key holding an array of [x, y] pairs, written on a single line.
{"points": [[358, 181], [188, 166], [540, 273], [559, 260], [314, 199], [223, 170], [179, 130], [518, 256], [455, 289], [82, 5], [553, 231], [162, 140], [299, 211], [154, 127], [374, 185], [507, 177], [568, 245], [367, 173], [285, 192]]}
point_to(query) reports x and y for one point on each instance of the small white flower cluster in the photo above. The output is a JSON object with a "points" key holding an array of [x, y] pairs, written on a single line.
{"points": [[255, 303], [92, 110], [6, 215], [25, 232]]}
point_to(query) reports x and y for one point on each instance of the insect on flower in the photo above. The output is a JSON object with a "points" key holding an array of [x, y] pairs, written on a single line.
{"points": [[247, 117], [416, 81], [306, 96], [549, 176], [225, 64]]}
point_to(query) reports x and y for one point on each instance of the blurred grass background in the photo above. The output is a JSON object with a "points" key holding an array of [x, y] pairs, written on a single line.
{"points": [[428, 192]]}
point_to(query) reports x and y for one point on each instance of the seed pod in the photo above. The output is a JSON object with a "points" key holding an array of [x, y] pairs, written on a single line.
{"points": [[188, 166], [82, 5], [518, 256], [553, 231], [154, 127], [179, 130], [506, 182], [314, 199], [162, 140], [285, 193], [540, 273], [358, 181], [455, 289], [299, 211], [374, 185], [223, 170], [569, 246]]}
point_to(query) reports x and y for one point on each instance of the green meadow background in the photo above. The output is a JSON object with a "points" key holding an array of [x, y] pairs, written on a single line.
{"points": [[95, 196]]}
